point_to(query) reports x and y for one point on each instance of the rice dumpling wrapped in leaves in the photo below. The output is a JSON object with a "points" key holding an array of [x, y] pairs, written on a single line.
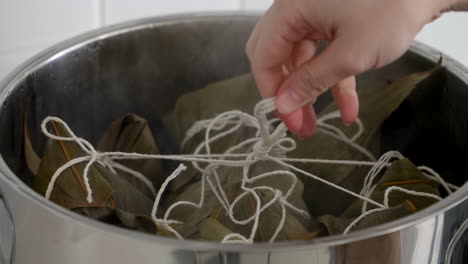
{"points": [[296, 225], [200, 105], [69, 190], [116, 197], [238, 93], [376, 104], [132, 134], [230, 179], [293, 208], [401, 173]]}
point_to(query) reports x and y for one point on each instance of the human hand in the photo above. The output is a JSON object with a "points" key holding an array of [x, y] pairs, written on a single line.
{"points": [[361, 35]]}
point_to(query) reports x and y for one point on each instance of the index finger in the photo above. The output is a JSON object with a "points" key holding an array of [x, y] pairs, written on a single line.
{"points": [[277, 35]]}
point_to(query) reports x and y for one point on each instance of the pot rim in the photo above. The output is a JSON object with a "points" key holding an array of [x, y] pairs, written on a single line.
{"points": [[9, 83]]}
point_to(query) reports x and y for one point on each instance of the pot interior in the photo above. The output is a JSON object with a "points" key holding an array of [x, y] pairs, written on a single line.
{"points": [[145, 68]]}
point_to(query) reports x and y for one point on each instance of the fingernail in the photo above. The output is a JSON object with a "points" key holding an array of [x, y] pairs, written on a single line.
{"points": [[346, 124], [289, 101], [308, 130]]}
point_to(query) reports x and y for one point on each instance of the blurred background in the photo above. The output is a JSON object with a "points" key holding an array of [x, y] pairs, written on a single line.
{"points": [[29, 26]]}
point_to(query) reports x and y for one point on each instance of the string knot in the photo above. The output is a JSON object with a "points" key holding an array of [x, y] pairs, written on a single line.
{"points": [[261, 149]]}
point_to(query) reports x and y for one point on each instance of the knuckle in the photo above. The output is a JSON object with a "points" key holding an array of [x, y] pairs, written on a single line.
{"points": [[352, 64], [308, 86]]}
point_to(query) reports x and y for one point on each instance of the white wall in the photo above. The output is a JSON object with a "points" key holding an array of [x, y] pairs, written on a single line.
{"points": [[28, 26]]}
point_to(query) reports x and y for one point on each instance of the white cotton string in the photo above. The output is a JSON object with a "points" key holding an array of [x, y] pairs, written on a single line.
{"points": [[386, 198], [336, 115], [269, 144], [378, 167], [164, 222], [396, 188], [93, 156], [335, 132], [60, 170], [359, 219], [280, 224], [430, 173], [368, 187], [330, 184]]}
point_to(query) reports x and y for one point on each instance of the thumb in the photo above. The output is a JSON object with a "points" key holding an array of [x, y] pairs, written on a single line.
{"points": [[314, 77]]}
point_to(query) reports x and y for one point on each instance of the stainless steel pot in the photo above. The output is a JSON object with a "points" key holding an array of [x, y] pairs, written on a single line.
{"points": [[142, 67]]}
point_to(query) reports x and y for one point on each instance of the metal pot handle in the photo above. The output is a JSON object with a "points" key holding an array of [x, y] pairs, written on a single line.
{"points": [[7, 238], [455, 241]]}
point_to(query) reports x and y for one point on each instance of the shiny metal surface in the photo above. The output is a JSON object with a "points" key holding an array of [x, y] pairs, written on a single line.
{"points": [[142, 67], [7, 235], [456, 241]]}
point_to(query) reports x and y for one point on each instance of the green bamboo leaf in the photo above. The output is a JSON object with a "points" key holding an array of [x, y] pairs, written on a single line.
{"points": [[69, 190], [126, 196], [132, 134], [241, 94], [401, 173], [337, 225], [230, 178], [404, 174], [295, 225], [110, 191], [189, 215], [120, 218], [205, 104], [212, 230], [141, 223], [376, 104]]}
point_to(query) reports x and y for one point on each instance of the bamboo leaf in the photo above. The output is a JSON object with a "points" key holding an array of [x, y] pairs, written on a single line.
{"points": [[401, 173], [69, 190], [376, 104], [135, 222], [337, 225], [126, 197], [132, 134], [404, 174], [205, 104], [212, 230]]}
